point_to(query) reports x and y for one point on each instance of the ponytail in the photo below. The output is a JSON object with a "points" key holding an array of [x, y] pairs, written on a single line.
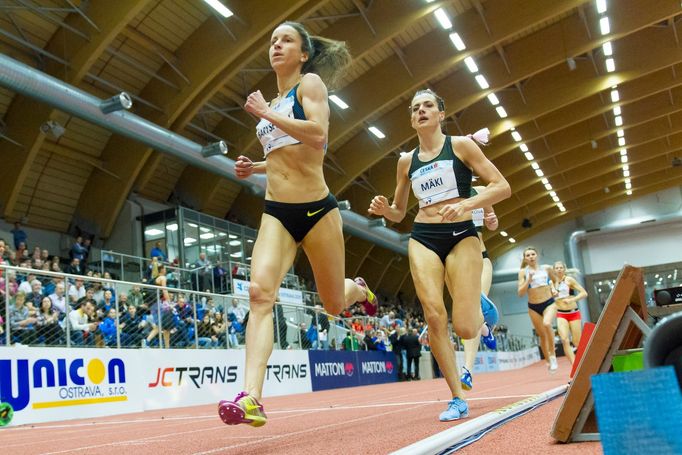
{"points": [[326, 57]]}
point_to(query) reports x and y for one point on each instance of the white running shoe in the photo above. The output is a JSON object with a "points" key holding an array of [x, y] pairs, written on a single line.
{"points": [[553, 365]]}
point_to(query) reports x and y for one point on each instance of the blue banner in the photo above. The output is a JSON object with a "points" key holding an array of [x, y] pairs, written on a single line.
{"points": [[336, 369]]}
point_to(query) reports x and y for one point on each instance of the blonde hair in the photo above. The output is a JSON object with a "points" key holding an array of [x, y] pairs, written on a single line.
{"points": [[523, 256], [326, 57]]}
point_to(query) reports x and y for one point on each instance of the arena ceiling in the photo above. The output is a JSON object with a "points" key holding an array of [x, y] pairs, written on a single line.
{"points": [[189, 70]]}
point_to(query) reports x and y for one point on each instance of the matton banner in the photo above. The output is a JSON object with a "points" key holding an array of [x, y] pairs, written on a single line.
{"points": [[335, 369]]}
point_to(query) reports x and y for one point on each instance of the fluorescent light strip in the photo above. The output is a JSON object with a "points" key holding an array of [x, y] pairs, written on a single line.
{"points": [[561, 207], [338, 101], [471, 64], [534, 165], [618, 120], [443, 18], [601, 6], [548, 187], [604, 26], [512, 240], [626, 173], [529, 156], [624, 159], [482, 82], [377, 132], [501, 112], [615, 96], [539, 173], [219, 7], [523, 147], [610, 65], [503, 233], [494, 100], [621, 141], [629, 192], [607, 48], [544, 181], [620, 133], [516, 135], [623, 151], [457, 41]]}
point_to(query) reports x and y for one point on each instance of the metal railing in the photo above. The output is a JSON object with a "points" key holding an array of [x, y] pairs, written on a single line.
{"points": [[163, 316]]}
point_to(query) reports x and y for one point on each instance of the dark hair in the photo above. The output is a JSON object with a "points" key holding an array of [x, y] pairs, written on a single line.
{"points": [[326, 57], [439, 102]]}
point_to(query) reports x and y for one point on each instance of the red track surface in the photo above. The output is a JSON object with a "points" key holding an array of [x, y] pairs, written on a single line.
{"points": [[369, 420]]}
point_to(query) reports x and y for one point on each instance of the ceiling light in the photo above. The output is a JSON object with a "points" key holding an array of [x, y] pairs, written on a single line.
{"points": [[618, 120], [192, 225], [249, 241], [626, 168], [503, 233], [443, 18], [539, 173], [377, 132], [204, 229], [482, 82], [621, 141], [206, 236], [628, 181], [616, 110], [556, 199], [222, 234], [548, 187], [561, 207], [615, 96], [216, 148], [610, 65], [235, 243], [628, 185], [626, 173], [608, 50], [623, 151], [544, 181], [471, 64], [172, 227], [629, 192], [552, 193], [501, 112], [189, 240], [523, 147], [620, 133], [232, 236], [219, 7], [601, 6], [238, 254], [153, 231], [516, 136], [604, 25], [512, 240], [495, 101], [53, 129], [529, 156], [338, 101], [119, 102], [624, 159], [534, 165], [457, 41]]}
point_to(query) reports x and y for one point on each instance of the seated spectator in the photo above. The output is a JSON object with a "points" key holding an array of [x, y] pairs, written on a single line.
{"points": [[369, 341], [45, 256], [219, 329], [34, 297], [108, 302], [357, 326], [48, 330], [59, 300], [56, 267], [321, 322], [82, 330], [132, 327], [122, 302], [387, 320], [206, 338], [303, 337], [25, 285], [237, 310], [36, 255], [74, 268], [157, 252], [76, 292], [136, 298], [108, 327], [19, 235], [21, 324]]}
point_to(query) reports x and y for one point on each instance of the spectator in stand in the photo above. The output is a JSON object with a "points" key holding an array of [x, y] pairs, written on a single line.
{"points": [[82, 330], [56, 266], [107, 303], [357, 326], [185, 322], [48, 330], [413, 347], [45, 256], [122, 302], [321, 323], [74, 267], [380, 340], [76, 292], [157, 252], [59, 300], [19, 236], [388, 319], [87, 242], [303, 336], [25, 285], [108, 327], [397, 338], [350, 342], [21, 323], [368, 340], [205, 333], [132, 327], [219, 329], [202, 272], [280, 326], [35, 297], [136, 298], [78, 251]]}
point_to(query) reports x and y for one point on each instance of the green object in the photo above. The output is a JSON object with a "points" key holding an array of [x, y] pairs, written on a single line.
{"points": [[6, 414], [632, 361]]}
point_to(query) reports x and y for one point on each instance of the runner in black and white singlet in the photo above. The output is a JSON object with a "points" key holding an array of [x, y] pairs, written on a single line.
{"points": [[568, 320], [443, 244], [535, 280]]}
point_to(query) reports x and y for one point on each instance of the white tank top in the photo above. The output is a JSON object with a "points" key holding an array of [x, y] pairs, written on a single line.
{"points": [[271, 136], [540, 278], [563, 289]]}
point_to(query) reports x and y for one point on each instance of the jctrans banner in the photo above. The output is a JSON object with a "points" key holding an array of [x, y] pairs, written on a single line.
{"points": [[47, 384], [334, 369], [173, 378]]}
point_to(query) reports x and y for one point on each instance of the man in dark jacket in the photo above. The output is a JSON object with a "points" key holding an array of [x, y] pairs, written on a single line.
{"points": [[413, 347]]}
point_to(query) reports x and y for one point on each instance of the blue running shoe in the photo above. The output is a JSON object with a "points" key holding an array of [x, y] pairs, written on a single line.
{"points": [[466, 380], [489, 341], [490, 313], [457, 409]]}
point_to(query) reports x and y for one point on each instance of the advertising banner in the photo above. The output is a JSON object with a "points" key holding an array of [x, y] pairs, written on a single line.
{"points": [[336, 369], [48, 384], [517, 359], [241, 288], [174, 378]]}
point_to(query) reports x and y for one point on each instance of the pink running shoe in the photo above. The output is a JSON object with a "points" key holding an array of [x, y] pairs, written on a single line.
{"points": [[244, 409]]}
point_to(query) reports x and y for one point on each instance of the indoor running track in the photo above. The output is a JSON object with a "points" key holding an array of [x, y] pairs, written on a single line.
{"points": [[369, 420]]}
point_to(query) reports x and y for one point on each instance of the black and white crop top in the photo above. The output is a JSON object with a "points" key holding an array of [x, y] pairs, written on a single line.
{"points": [[271, 136], [442, 178], [563, 289]]}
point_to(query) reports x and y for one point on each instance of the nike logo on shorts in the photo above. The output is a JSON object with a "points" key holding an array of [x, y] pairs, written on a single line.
{"points": [[455, 234], [315, 212]]}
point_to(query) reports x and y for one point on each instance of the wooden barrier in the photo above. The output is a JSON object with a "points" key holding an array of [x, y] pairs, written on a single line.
{"points": [[621, 326]]}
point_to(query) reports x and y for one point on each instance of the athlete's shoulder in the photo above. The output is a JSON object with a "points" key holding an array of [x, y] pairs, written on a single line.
{"points": [[311, 81]]}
